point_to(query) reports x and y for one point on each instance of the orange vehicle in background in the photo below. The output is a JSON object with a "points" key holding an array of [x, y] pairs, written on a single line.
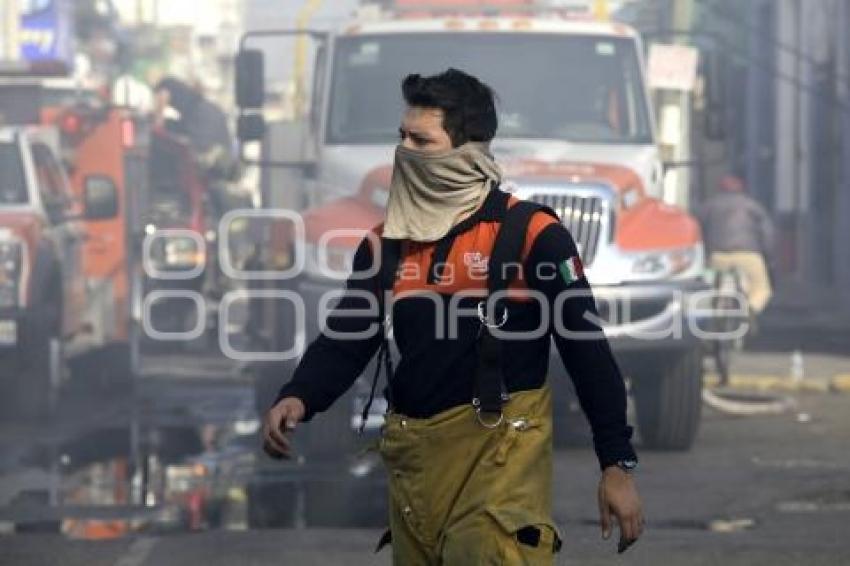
{"points": [[47, 314], [101, 150], [157, 242], [107, 153]]}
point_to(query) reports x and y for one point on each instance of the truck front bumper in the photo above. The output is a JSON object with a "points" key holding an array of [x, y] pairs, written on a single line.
{"points": [[667, 315]]}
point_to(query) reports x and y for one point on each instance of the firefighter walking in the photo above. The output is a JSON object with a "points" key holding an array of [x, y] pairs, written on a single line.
{"points": [[476, 284]]}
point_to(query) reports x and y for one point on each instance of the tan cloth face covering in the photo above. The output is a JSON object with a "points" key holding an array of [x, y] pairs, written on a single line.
{"points": [[431, 193]]}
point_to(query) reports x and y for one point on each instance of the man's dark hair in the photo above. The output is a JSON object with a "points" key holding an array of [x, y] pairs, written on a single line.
{"points": [[468, 105]]}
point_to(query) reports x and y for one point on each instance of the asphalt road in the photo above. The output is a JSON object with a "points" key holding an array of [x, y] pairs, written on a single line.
{"points": [[754, 490]]}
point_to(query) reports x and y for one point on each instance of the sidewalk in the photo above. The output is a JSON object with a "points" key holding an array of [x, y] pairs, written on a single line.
{"points": [[820, 336]]}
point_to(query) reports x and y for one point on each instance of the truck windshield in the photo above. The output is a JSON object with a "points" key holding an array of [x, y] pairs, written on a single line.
{"points": [[576, 88], [13, 188]]}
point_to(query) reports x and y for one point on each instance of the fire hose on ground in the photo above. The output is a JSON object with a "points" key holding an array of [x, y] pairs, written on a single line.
{"points": [[746, 403]]}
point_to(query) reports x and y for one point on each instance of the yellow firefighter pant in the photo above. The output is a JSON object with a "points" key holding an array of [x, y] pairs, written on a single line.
{"points": [[756, 281], [462, 494]]}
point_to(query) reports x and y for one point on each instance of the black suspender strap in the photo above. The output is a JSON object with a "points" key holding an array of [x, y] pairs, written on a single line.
{"points": [[390, 257], [504, 267]]}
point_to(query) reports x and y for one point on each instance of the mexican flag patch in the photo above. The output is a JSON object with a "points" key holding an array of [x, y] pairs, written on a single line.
{"points": [[571, 270]]}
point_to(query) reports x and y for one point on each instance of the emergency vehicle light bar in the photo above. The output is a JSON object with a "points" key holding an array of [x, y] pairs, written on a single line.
{"points": [[443, 7], [570, 9]]}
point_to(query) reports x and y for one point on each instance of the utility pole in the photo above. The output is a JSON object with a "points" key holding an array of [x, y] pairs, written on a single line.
{"points": [[305, 14], [683, 19], [674, 107], [10, 42]]}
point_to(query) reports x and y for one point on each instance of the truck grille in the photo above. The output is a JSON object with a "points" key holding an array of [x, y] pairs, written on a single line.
{"points": [[584, 216]]}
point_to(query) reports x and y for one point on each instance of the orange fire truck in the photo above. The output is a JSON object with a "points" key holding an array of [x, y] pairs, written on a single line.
{"points": [[78, 276], [52, 225]]}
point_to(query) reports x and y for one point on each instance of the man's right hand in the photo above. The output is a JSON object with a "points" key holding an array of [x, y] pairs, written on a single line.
{"points": [[280, 419]]}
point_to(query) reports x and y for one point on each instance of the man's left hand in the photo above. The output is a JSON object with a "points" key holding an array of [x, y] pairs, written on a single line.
{"points": [[618, 496]]}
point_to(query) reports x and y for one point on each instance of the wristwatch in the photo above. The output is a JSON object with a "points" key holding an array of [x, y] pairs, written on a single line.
{"points": [[627, 466]]}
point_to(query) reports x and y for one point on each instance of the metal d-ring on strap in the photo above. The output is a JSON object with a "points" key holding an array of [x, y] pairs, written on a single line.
{"points": [[487, 326], [476, 402], [482, 316]]}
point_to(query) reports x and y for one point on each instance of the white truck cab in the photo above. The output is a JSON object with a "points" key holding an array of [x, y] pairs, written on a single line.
{"points": [[568, 90]]}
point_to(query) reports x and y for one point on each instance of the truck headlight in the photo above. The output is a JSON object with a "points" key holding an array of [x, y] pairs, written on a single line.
{"points": [[332, 263], [11, 262], [674, 262]]}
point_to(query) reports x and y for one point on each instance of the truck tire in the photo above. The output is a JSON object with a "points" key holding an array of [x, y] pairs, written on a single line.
{"points": [[668, 402]]}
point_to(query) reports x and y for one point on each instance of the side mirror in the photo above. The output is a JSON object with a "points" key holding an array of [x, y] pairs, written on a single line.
{"points": [[100, 197], [250, 127], [297, 148], [250, 79]]}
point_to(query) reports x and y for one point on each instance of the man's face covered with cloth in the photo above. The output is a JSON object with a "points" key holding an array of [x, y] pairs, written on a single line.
{"points": [[435, 184]]}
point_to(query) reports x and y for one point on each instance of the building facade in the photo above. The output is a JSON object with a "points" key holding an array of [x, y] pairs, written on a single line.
{"points": [[785, 76]]}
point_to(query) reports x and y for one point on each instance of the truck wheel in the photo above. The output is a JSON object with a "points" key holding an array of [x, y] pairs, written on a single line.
{"points": [[668, 403]]}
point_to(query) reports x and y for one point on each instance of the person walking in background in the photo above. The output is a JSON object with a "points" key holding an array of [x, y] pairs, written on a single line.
{"points": [[204, 124], [200, 120], [739, 234]]}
